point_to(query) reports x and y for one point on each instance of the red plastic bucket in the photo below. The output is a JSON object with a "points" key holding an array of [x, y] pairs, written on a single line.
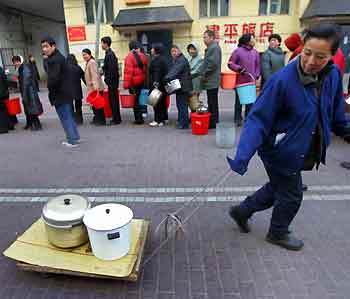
{"points": [[107, 106], [168, 101], [13, 106], [127, 100], [95, 99], [228, 80], [200, 123]]}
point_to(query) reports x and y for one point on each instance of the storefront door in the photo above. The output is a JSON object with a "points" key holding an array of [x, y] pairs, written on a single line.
{"points": [[147, 38]]}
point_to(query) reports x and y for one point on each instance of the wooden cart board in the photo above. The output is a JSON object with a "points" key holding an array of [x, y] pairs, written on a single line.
{"points": [[33, 252]]}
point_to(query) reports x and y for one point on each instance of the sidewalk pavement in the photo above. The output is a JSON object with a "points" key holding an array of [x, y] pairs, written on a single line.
{"points": [[214, 261], [154, 170], [135, 156]]}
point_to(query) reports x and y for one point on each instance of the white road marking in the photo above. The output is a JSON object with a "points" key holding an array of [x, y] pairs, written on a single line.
{"points": [[160, 190], [167, 199]]}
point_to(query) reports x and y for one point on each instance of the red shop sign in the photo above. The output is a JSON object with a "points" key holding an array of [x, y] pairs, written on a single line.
{"points": [[76, 33]]}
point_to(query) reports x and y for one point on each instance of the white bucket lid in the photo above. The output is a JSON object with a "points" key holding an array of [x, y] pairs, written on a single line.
{"points": [[108, 217]]}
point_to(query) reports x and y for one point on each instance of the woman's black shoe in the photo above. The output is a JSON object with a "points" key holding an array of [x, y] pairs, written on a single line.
{"points": [[241, 221], [288, 241]]}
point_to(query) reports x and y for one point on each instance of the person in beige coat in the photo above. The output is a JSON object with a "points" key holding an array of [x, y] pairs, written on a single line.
{"points": [[93, 82]]}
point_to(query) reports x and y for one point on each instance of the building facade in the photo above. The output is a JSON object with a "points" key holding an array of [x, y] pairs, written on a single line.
{"points": [[21, 33], [180, 22]]}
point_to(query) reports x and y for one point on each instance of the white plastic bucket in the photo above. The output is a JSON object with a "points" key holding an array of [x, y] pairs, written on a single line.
{"points": [[225, 135], [109, 229]]}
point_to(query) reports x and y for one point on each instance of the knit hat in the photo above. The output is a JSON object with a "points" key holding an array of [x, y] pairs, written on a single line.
{"points": [[293, 41]]}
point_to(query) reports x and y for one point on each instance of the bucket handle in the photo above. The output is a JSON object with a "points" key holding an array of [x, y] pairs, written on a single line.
{"points": [[250, 75]]}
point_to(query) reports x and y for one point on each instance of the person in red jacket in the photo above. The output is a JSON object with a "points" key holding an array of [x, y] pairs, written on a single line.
{"points": [[339, 60], [135, 73], [294, 44]]}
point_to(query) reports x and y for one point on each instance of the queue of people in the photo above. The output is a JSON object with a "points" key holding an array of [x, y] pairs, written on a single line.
{"points": [[141, 71]]}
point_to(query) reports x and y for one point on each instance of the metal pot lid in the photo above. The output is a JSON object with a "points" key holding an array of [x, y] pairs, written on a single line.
{"points": [[65, 210], [108, 217]]}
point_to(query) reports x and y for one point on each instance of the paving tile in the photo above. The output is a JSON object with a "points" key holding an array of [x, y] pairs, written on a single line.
{"points": [[247, 290], [259, 270], [197, 282], [280, 289]]}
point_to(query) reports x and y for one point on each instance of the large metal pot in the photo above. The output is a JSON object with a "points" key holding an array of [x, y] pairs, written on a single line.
{"points": [[173, 86], [201, 109], [154, 97], [63, 218]]}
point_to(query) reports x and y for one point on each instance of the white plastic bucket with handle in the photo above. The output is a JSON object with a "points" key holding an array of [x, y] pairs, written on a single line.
{"points": [[109, 229]]}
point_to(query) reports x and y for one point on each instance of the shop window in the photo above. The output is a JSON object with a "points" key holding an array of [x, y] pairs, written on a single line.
{"points": [[91, 11], [274, 7], [213, 8]]}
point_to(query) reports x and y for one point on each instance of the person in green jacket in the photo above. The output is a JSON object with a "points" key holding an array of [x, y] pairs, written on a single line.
{"points": [[273, 58], [210, 72], [195, 60]]}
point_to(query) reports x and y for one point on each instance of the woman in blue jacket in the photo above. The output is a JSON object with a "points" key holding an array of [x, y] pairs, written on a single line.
{"points": [[290, 127]]}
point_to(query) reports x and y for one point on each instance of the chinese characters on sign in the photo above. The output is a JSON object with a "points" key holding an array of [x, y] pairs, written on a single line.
{"points": [[76, 33], [231, 32]]}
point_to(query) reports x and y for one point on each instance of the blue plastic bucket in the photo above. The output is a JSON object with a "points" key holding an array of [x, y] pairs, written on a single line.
{"points": [[143, 97], [246, 93]]}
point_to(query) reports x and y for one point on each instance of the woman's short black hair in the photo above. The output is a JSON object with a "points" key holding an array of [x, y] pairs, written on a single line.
{"points": [[191, 46], [16, 58], [275, 36], [87, 51], [244, 39], [330, 32], [158, 48]]}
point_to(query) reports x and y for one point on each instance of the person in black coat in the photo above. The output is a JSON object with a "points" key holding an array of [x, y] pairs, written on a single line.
{"points": [[34, 70], [157, 72], [5, 123], [111, 73], [77, 77], [181, 70], [30, 98], [59, 84]]}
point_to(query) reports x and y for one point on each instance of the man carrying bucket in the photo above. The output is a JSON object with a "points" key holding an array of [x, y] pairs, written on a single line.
{"points": [[290, 126], [111, 73]]}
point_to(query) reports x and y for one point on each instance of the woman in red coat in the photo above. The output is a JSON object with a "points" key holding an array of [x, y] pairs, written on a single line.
{"points": [[135, 73]]}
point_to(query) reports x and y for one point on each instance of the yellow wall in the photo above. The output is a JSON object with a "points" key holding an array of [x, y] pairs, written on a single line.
{"points": [[241, 11]]}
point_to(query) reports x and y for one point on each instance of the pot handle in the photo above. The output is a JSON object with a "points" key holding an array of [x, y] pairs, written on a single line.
{"points": [[61, 226], [113, 236], [57, 226]]}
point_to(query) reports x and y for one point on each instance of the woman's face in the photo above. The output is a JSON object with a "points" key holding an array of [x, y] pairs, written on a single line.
{"points": [[252, 42], [192, 51], [274, 43], [86, 56], [153, 52]]}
